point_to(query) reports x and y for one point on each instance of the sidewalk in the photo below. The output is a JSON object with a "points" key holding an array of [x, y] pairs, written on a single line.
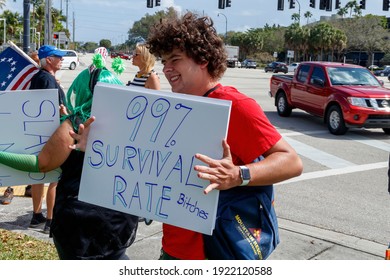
{"points": [[298, 241]]}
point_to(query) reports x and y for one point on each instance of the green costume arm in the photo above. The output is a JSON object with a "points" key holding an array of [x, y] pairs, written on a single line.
{"points": [[20, 162]]}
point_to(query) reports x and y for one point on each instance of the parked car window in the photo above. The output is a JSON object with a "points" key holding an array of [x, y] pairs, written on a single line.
{"points": [[303, 72], [70, 53], [318, 73]]}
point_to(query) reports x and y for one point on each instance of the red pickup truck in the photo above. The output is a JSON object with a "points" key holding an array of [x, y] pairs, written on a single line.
{"points": [[344, 95]]}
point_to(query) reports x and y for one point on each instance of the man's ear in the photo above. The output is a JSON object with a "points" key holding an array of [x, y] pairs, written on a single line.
{"points": [[204, 64]]}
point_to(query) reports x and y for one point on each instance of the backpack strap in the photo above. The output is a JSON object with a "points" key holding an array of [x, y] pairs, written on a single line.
{"points": [[94, 78]]}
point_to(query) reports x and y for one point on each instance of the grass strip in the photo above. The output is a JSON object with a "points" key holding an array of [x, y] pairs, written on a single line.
{"points": [[18, 246]]}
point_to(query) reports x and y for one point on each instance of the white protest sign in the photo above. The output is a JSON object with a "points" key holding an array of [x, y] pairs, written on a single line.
{"points": [[27, 119], [140, 154]]}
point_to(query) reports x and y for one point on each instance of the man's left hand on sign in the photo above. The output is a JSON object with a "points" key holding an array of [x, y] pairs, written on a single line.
{"points": [[222, 173], [82, 136]]}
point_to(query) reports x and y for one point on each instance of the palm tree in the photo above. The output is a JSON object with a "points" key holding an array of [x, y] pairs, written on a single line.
{"points": [[307, 16], [35, 4], [297, 39], [355, 7], [296, 17], [292, 38], [303, 38], [321, 37], [14, 26], [2, 3], [57, 18], [339, 43], [342, 11]]}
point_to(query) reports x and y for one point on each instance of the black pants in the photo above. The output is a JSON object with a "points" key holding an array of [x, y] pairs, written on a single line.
{"points": [[63, 255]]}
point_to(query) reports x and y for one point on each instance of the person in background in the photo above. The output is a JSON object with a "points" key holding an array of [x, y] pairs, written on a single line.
{"points": [[146, 77], [50, 61], [145, 61], [35, 57], [194, 61], [80, 230]]}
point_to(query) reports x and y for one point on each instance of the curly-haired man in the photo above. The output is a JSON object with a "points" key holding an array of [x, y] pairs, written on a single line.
{"points": [[194, 61]]}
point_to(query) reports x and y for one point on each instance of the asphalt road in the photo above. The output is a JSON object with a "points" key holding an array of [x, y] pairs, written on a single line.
{"points": [[344, 184]]}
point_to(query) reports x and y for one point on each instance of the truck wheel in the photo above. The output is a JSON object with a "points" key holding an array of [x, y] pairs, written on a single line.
{"points": [[386, 130], [284, 109], [335, 121]]}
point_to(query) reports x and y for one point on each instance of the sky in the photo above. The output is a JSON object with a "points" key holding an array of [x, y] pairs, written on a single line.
{"points": [[111, 19]]}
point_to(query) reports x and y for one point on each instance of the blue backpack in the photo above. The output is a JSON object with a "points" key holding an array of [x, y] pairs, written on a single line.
{"points": [[246, 226]]}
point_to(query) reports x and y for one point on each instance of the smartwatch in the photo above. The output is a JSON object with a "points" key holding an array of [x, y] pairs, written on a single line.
{"points": [[245, 175]]}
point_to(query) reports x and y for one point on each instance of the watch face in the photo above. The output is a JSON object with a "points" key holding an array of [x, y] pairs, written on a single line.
{"points": [[245, 173]]}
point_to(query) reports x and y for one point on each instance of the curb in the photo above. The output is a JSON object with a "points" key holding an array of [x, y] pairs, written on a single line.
{"points": [[341, 239]]}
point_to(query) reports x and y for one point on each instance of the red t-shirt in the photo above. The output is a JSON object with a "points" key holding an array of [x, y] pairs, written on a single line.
{"points": [[250, 134]]}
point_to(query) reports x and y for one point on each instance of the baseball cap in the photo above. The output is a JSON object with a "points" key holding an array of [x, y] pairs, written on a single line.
{"points": [[47, 50]]}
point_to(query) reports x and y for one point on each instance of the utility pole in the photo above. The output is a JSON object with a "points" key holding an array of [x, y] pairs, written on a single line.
{"points": [[299, 11], [39, 40], [67, 15], [74, 29], [26, 25], [48, 30], [225, 26]]}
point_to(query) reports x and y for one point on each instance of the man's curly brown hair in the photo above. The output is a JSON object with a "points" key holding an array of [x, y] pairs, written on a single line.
{"points": [[194, 35]]}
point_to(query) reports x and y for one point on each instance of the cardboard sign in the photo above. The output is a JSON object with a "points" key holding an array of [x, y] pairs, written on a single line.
{"points": [[27, 119], [140, 154]]}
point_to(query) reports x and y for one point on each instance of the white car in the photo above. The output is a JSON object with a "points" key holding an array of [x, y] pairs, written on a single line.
{"points": [[373, 67], [70, 59], [291, 67]]}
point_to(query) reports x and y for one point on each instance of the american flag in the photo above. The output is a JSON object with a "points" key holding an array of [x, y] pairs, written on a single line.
{"points": [[16, 69]]}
